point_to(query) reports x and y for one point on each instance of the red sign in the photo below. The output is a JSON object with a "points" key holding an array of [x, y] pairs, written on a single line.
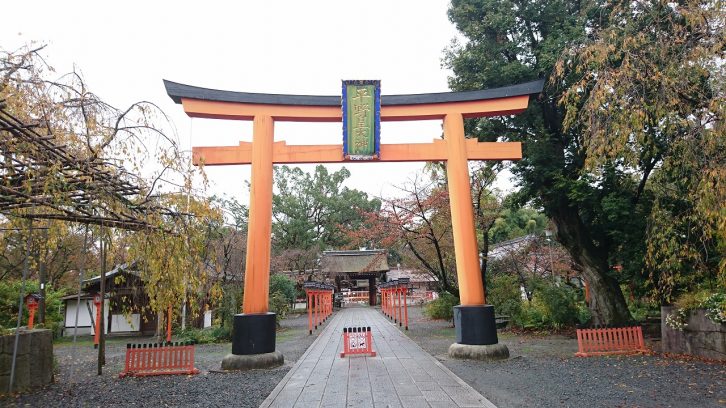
{"points": [[97, 298]]}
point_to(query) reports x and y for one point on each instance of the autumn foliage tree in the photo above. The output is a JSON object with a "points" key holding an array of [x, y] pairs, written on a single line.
{"points": [[135, 147], [625, 80], [649, 94], [418, 224]]}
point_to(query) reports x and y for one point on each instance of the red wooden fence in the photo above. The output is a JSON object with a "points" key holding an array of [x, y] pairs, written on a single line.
{"points": [[597, 342], [357, 340], [159, 359]]}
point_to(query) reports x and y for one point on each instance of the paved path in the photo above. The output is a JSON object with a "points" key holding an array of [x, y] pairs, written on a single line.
{"points": [[401, 375]]}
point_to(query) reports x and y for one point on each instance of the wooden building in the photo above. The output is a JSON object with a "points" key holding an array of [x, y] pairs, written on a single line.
{"points": [[356, 270], [125, 309]]}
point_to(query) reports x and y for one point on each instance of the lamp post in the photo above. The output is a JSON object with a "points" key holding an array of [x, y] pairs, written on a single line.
{"points": [[549, 234]]}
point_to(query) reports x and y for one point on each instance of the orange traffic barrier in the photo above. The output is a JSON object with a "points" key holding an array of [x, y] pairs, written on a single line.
{"points": [[598, 342], [394, 303], [357, 340], [159, 359], [320, 303]]}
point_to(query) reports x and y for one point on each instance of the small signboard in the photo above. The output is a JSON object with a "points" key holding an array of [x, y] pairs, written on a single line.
{"points": [[361, 104]]}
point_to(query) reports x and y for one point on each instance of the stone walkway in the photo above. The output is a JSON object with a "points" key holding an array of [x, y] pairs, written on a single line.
{"points": [[401, 375]]}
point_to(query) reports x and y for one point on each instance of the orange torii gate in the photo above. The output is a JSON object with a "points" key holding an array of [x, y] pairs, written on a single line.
{"points": [[255, 327]]}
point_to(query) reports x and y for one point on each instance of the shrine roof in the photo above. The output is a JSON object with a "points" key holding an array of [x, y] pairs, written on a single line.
{"points": [[178, 91], [354, 262]]}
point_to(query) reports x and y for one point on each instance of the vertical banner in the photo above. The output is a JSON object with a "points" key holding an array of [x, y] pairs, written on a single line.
{"points": [[361, 104]]}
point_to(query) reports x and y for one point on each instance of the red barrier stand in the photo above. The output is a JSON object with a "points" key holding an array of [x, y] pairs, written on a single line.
{"points": [[159, 359], [357, 340], [598, 342]]}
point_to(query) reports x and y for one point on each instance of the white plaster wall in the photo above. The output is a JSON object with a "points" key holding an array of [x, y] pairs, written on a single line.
{"points": [[122, 323], [84, 320]]}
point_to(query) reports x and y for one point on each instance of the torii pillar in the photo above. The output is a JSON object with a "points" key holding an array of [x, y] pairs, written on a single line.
{"points": [[254, 330]]}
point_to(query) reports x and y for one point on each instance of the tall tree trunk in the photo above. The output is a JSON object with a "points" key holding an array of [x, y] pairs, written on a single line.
{"points": [[483, 254], [607, 303]]}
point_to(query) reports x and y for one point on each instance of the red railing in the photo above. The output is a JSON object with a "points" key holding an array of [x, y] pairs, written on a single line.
{"points": [[159, 359], [320, 303], [597, 342], [357, 340], [393, 300]]}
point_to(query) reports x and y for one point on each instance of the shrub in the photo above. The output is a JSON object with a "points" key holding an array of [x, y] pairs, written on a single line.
{"points": [[283, 285], [442, 308], [222, 333], [229, 305], [583, 313], [504, 294], [559, 304], [531, 316], [714, 303], [279, 305], [715, 306], [552, 307], [198, 336], [204, 336]]}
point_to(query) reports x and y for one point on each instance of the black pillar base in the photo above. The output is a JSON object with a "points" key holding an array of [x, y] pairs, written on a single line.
{"points": [[254, 334], [475, 325]]}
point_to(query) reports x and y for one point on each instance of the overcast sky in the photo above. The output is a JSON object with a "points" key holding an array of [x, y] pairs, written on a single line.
{"points": [[292, 47]]}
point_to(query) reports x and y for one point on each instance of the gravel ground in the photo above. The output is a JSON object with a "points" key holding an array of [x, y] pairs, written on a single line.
{"points": [[77, 384], [543, 372]]}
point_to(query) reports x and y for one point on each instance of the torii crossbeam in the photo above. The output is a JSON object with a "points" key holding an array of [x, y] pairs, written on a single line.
{"points": [[266, 109]]}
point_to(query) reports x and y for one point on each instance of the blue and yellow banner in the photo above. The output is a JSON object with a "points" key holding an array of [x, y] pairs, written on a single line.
{"points": [[361, 103]]}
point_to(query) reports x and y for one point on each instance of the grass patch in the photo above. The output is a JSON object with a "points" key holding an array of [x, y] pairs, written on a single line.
{"points": [[285, 334], [442, 332]]}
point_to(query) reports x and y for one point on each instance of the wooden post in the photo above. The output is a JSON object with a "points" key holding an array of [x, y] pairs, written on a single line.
{"points": [[101, 314], [471, 288], [372, 291], [257, 275], [405, 309], [310, 312]]}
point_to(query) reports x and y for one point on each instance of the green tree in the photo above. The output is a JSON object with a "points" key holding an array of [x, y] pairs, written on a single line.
{"points": [[631, 91], [313, 212], [650, 96], [516, 41], [515, 221]]}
